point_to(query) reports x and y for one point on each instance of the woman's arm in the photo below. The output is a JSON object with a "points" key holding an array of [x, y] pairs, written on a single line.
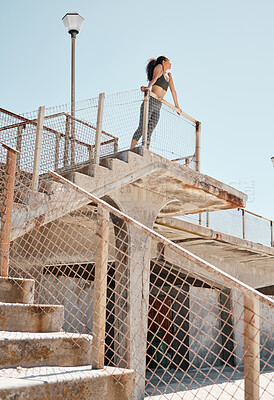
{"points": [[173, 91], [158, 70]]}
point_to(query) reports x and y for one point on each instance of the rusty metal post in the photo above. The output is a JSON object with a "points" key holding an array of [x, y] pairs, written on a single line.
{"points": [[66, 147], [6, 213], [115, 149], [56, 156], [100, 289], [198, 146], [271, 234], [19, 145], [38, 148], [207, 219], [251, 348], [145, 118], [243, 223], [200, 218], [187, 162], [99, 128]]}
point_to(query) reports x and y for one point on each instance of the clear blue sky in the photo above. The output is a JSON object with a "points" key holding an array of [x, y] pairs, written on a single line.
{"points": [[222, 53]]}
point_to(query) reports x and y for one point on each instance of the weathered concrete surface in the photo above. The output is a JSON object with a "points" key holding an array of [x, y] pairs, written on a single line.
{"points": [[186, 191], [53, 383], [250, 262], [30, 317], [27, 349], [41, 208], [16, 290]]}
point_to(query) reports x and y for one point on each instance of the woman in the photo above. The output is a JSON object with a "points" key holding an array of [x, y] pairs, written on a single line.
{"points": [[159, 81]]}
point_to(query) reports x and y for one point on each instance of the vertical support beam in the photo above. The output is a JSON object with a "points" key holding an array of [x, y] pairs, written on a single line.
{"points": [[66, 147], [271, 234], [145, 118], [72, 125], [56, 156], [115, 149], [100, 289], [99, 128], [243, 223], [6, 213], [38, 148], [251, 348], [19, 145], [187, 162], [200, 219], [207, 219], [198, 146]]}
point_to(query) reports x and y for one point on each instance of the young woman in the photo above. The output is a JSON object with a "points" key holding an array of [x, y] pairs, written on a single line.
{"points": [[159, 81]]}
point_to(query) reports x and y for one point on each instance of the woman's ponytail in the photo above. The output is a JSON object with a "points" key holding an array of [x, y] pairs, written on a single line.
{"points": [[152, 64]]}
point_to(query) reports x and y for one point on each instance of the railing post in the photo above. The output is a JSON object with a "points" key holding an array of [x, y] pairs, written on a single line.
{"points": [[251, 348], [198, 145], [19, 144], [271, 234], [66, 147], [115, 147], [56, 156], [145, 118], [243, 222], [38, 148], [6, 213], [100, 289], [99, 128], [207, 219]]}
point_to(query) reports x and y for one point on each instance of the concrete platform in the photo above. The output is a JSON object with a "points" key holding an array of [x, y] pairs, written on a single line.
{"points": [[31, 317], [250, 262], [27, 349], [56, 383], [186, 191], [16, 290]]}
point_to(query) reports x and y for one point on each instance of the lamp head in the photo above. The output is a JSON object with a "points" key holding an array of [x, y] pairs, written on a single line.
{"points": [[73, 23]]}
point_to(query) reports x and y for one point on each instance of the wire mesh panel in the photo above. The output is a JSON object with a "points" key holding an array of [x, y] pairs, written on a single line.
{"points": [[124, 115], [237, 222], [187, 329]]}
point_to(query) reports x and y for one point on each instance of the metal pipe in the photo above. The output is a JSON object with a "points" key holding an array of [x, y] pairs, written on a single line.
{"points": [[99, 128], [100, 288], [7, 205], [38, 148], [72, 123], [145, 118], [198, 145]]}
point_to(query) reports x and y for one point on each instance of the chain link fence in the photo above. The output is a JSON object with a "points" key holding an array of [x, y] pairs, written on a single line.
{"points": [[236, 222], [187, 329]]}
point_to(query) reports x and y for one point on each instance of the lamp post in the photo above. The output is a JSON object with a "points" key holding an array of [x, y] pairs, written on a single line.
{"points": [[73, 23]]}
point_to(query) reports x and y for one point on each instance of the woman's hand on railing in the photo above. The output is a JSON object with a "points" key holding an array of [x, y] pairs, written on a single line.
{"points": [[144, 89], [179, 112]]}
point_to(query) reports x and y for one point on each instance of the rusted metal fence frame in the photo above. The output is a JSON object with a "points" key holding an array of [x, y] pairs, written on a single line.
{"points": [[6, 212], [251, 296]]}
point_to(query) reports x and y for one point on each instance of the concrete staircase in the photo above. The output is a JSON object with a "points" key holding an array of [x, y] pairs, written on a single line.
{"points": [[186, 191], [32, 209], [39, 361]]}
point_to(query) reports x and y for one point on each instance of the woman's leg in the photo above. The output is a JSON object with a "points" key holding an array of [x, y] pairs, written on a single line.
{"points": [[138, 132], [154, 119]]}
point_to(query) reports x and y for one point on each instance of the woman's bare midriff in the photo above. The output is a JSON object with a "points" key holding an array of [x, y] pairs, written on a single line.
{"points": [[160, 92]]}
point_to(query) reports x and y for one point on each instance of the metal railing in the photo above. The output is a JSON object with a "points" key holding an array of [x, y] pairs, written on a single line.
{"points": [[237, 222], [186, 328]]}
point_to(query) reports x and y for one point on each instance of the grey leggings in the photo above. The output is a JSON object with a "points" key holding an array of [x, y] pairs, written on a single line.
{"points": [[153, 118]]}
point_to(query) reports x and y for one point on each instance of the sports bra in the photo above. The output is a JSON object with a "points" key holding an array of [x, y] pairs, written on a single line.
{"points": [[162, 82]]}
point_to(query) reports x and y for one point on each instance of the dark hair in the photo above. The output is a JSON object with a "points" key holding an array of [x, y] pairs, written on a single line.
{"points": [[152, 64]]}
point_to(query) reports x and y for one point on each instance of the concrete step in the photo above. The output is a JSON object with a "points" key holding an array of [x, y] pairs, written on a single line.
{"points": [[70, 383], [16, 290], [28, 349], [31, 317]]}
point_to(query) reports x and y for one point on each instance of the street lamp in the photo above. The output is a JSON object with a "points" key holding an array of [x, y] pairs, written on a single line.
{"points": [[73, 23]]}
